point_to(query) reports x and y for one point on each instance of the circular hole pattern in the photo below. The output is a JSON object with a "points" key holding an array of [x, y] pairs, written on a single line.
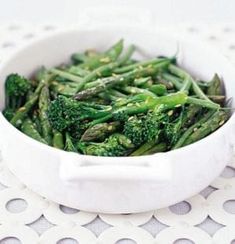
{"points": [[212, 38], [229, 206], [181, 208], [228, 172], [67, 241], [68, 210], [126, 241], [49, 27], [227, 29], [28, 36], [8, 44], [10, 240], [16, 205], [13, 27], [183, 241], [192, 29], [232, 47]]}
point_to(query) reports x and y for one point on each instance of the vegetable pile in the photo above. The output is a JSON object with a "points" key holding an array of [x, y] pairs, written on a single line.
{"points": [[108, 104]]}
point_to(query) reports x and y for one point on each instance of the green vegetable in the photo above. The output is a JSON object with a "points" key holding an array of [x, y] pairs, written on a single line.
{"points": [[64, 112], [120, 79], [190, 130], [69, 146], [216, 86], [158, 89], [66, 75], [21, 113], [16, 87], [29, 129], [214, 122], [8, 113], [140, 65], [58, 141], [161, 147], [115, 145], [109, 104], [43, 104], [100, 131], [95, 61], [133, 129]]}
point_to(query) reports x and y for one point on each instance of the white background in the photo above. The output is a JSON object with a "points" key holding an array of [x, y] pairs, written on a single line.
{"points": [[165, 11]]}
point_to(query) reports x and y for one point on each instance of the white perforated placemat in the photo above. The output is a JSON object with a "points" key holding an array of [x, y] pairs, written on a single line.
{"points": [[208, 217]]}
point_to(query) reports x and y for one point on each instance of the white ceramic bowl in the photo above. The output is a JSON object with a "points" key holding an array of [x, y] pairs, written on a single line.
{"points": [[123, 184]]}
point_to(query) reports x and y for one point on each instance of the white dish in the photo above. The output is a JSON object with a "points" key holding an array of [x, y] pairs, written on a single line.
{"points": [[123, 184]]}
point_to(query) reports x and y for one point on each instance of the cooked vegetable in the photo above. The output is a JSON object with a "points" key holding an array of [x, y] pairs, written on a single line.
{"points": [[43, 104], [58, 141], [108, 104], [30, 130], [16, 88], [115, 145]]}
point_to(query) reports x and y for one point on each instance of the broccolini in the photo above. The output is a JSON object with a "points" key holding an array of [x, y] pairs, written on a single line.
{"points": [[109, 104]]}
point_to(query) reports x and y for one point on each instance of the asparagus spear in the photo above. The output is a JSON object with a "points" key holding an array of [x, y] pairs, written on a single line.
{"points": [[217, 99], [117, 93], [58, 141], [107, 69], [114, 52], [100, 131], [76, 70], [66, 75], [69, 146], [98, 60], [120, 79], [126, 56], [161, 147], [29, 129], [187, 84], [101, 71], [190, 130], [203, 103], [216, 86], [141, 64], [70, 89], [158, 89], [169, 85], [215, 121], [22, 112], [144, 148], [136, 90], [36, 121], [170, 101], [143, 81], [44, 101], [173, 80]]}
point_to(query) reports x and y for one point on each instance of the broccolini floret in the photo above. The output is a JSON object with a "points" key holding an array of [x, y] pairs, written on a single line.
{"points": [[115, 145], [133, 129], [16, 87], [65, 112]]}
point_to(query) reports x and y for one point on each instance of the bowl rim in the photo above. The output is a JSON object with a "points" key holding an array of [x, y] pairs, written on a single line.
{"points": [[125, 160]]}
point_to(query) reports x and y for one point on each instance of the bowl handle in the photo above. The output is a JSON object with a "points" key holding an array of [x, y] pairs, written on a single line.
{"points": [[75, 168], [3, 144], [232, 132]]}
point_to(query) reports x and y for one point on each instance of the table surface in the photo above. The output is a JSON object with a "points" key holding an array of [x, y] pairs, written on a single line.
{"points": [[208, 217]]}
